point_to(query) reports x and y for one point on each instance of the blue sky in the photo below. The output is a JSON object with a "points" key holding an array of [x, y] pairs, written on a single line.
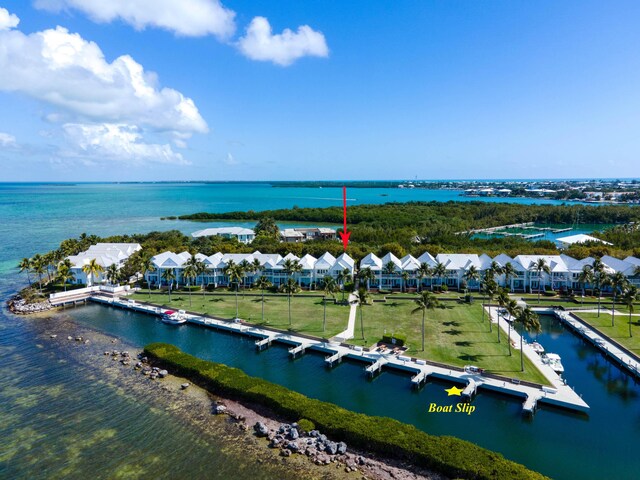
{"points": [[356, 90]]}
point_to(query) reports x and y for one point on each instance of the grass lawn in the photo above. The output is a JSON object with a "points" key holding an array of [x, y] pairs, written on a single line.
{"points": [[455, 335], [306, 313], [619, 332]]}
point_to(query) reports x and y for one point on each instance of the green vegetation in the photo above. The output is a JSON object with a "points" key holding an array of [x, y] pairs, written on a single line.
{"points": [[414, 227], [307, 312], [455, 334], [447, 455], [620, 331]]}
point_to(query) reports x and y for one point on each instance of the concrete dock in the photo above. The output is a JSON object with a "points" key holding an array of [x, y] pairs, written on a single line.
{"points": [[559, 395]]}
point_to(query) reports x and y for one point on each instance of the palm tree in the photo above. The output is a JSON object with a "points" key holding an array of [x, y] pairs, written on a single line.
{"points": [[405, 278], [508, 272], [471, 274], [490, 290], [530, 323], [112, 273], [263, 283], [362, 298], [169, 275], [439, 271], [25, 266], [599, 275], [343, 276], [511, 307], [246, 268], [290, 287], [330, 287], [366, 275], [426, 301], [235, 273], [190, 272], [539, 268], [202, 269], [37, 265], [617, 282], [495, 268], [255, 268], [48, 262], [146, 265], [503, 301], [291, 267], [92, 269], [424, 270], [629, 296], [585, 277], [389, 269], [65, 275]]}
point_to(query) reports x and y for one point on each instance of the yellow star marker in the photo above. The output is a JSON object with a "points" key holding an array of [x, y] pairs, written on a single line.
{"points": [[453, 391]]}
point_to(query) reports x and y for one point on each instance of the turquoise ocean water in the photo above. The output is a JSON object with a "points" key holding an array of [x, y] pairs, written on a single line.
{"points": [[56, 422]]}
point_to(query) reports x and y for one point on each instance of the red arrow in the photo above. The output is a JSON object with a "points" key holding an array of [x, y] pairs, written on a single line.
{"points": [[345, 234]]}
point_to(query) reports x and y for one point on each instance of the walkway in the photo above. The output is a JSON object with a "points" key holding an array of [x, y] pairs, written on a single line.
{"points": [[349, 333]]}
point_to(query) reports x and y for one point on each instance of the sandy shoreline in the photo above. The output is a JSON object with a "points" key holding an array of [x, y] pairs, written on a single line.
{"points": [[197, 407]]}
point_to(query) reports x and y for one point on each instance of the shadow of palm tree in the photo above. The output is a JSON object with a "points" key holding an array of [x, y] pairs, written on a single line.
{"points": [[470, 358], [451, 323], [464, 343], [215, 300], [453, 331]]}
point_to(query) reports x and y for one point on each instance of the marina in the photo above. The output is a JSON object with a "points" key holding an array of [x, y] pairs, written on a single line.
{"points": [[560, 395]]}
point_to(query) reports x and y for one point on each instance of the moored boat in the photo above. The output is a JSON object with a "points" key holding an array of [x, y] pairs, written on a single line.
{"points": [[553, 360], [174, 318], [539, 349]]}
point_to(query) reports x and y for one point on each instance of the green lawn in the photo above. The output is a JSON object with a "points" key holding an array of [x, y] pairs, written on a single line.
{"points": [[619, 332], [455, 335], [306, 312]]}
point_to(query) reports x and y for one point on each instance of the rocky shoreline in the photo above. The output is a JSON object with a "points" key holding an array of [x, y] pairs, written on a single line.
{"points": [[19, 306], [271, 440]]}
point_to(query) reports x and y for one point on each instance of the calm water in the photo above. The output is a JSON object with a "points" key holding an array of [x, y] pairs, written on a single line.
{"points": [[55, 423]]}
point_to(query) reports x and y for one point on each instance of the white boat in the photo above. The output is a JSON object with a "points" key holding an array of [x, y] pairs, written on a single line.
{"points": [[539, 349], [553, 360], [174, 318]]}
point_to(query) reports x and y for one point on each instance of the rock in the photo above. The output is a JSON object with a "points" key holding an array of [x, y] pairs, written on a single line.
{"points": [[293, 446], [261, 429], [138, 365], [220, 409], [342, 448], [107, 353], [69, 337], [331, 448], [322, 438], [125, 354], [78, 339], [275, 443], [361, 460], [53, 336], [285, 452], [184, 386], [146, 372], [314, 433], [163, 373], [86, 342], [293, 434], [284, 428]]}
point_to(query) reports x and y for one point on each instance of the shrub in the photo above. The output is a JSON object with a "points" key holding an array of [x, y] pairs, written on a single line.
{"points": [[306, 425], [444, 288], [385, 436]]}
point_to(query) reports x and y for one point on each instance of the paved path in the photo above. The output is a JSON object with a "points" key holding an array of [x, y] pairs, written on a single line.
{"points": [[351, 325]]}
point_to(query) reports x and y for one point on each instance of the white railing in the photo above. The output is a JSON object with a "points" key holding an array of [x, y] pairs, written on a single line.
{"points": [[89, 290]]}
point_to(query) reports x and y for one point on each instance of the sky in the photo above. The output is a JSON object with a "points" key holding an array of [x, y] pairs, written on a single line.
{"points": [[137, 90]]}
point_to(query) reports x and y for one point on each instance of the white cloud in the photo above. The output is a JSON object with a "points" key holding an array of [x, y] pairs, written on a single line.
{"points": [[7, 140], [191, 18], [259, 43], [116, 142], [8, 20], [66, 71]]}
